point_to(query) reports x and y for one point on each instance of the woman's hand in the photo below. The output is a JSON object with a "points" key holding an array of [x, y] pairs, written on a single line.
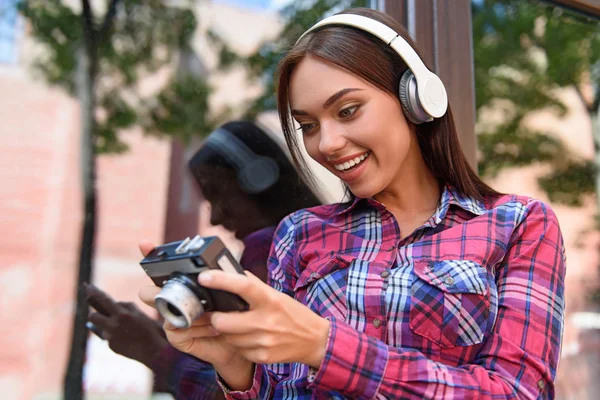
{"points": [[276, 329], [200, 339], [128, 330]]}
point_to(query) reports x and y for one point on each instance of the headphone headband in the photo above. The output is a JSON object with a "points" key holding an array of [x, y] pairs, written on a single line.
{"points": [[255, 173], [238, 155], [431, 91]]}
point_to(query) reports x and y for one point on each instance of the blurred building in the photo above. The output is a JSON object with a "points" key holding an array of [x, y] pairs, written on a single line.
{"points": [[41, 208]]}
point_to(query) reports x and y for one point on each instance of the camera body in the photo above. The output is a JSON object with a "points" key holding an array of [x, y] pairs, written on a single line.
{"points": [[175, 268]]}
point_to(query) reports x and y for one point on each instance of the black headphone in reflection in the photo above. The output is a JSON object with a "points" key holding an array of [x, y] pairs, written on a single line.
{"points": [[255, 173]]}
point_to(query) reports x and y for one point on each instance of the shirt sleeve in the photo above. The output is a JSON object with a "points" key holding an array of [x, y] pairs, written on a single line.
{"points": [[282, 276], [185, 377], [517, 361]]}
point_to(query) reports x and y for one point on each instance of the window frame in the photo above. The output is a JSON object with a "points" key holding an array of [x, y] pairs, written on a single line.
{"points": [[442, 28]]}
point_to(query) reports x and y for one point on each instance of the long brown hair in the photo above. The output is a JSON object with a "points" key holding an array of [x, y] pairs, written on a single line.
{"points": [[381, 66]]}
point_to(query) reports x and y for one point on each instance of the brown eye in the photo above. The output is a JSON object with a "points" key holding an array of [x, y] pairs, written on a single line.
{"points": [[348, 112], [306, 128]]}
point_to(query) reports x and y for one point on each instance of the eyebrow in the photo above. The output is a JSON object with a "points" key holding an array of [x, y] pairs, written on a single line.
{"points": [[332, 99]]}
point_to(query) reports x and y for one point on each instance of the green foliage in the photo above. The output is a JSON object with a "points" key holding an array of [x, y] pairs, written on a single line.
{"points": [[524, 51], [511, 145], [180, 110], [567, 183], [58, 29], [143, 37], [261, 66]]}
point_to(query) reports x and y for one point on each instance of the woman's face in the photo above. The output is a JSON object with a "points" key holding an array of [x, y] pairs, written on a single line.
{"points": [[352, 128], [230, 206]]}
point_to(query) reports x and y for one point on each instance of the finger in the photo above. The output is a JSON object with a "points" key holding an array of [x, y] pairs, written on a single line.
{"points": [[146, 247], [248, 286], [129, 306], [243, 341], [101, 321], [101, 301], [147, 295], [203, 320], [189, 333], [167, 326], [97, 331], [235, 322]]}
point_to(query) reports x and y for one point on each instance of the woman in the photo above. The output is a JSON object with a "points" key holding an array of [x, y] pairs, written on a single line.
{"points": [[251, 186], [251, 206], [428, 284]]}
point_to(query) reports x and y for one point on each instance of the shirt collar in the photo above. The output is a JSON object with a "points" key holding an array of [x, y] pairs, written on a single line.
{"points": [[450, 196]]}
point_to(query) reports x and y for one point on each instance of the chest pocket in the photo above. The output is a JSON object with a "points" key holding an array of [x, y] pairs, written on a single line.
{"points": [[322, 286], [450, 302]]}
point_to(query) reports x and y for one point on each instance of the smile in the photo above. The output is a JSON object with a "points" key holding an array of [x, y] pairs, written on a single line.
{"points": [[350, 164]]}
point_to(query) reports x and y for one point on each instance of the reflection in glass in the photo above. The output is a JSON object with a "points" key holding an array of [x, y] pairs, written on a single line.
{"points": [[165, 76], [537, 71]]}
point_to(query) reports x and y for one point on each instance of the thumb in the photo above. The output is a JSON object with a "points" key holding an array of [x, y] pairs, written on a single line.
{"points": [[147, 294], [146, 247], [247, 286]]}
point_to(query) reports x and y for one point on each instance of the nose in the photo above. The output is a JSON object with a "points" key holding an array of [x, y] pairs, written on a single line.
{"points": [[331, 139]]}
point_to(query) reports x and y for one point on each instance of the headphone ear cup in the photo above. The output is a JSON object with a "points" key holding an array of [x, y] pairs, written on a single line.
{"points": [[259, 175], [409, 99]]}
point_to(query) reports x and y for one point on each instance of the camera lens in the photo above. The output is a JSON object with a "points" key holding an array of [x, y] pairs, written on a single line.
{"points": [[173, 310], [178, 304]]}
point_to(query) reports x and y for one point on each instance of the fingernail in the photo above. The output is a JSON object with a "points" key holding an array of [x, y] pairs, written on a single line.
{"points": [[205, 277]]}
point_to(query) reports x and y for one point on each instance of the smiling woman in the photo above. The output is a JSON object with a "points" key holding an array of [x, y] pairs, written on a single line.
{"points": [[426, 284], [369, 82]]}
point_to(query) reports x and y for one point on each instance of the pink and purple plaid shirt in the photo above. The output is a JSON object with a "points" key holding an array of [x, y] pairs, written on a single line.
{"points": [[469, 306]]}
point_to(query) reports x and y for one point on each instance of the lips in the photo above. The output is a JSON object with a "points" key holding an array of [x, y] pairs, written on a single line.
{"points": [[355, 171], [348, 163]]}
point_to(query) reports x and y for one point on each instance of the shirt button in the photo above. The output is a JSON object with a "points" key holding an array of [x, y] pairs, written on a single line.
{"points": [[541, 384], [376, 322], [385, 274], [449, 281]]}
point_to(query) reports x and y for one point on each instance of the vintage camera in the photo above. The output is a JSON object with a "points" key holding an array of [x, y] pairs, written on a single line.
{"points": [[175, 267]]}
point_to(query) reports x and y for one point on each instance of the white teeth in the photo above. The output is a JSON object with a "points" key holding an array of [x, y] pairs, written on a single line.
{"points": [[351, 163]]}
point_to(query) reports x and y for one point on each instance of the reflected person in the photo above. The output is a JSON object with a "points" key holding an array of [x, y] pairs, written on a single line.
{"points": [[251, 186]]}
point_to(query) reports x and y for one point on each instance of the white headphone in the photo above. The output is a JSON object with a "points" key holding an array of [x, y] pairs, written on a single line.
{"points": [[255, 173], [421, 92]]}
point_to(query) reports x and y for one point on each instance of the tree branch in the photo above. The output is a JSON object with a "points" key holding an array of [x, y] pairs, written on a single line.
{"points": [[88, 23], [108, 19]]}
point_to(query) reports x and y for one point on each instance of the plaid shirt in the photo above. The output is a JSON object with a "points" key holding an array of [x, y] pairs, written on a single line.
{"points": [[470, 305], [187, 377]]}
